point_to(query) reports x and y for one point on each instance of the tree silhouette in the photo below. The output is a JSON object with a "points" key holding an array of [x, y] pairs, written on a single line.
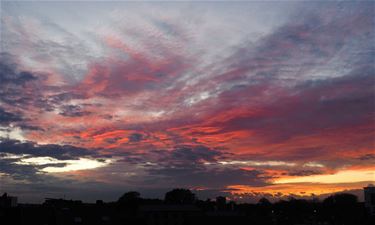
{"points": [[341, 208], [128, 203], [221, 202], [341, 199], [180, 196], [130, 197], [264, 202]]}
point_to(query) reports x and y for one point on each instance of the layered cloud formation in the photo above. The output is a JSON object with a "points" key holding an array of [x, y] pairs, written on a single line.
{"points": [[242, 98]]}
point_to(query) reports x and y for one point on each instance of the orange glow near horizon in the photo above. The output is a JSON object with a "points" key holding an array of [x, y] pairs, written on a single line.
{"points": [[297, 189]]}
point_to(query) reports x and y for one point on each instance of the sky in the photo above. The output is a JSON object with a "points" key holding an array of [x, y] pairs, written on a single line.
{"points": [[241, 99]]}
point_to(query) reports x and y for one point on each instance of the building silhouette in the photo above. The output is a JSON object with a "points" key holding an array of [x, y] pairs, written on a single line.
{"points": [[7, 201], [369, 193], [181, 209]]}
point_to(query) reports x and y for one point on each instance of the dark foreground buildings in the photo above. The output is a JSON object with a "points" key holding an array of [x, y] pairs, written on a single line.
{"points": [[7, 201], [370, 199], [181, 208]]}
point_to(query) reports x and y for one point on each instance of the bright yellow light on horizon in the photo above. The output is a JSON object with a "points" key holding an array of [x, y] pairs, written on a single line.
{"points": [[348, 176], [81, 164], [315, 184], [71, 165]]}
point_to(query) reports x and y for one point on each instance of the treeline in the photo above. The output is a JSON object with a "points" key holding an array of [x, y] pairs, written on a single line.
{"points": [[182, 207], [342, 208]]}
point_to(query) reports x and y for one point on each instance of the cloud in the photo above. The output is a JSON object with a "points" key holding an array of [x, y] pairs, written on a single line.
{"points": [[336, 102], [198, 96], [13, 81], [185, 166], [9, 75], [367, 157], [304, 173], [6, 117], [135, 137], [18, 172], [61, 152], [195, 176], [273, 101], [195, 154], [73, 111], [35, 165], [20, 93]]}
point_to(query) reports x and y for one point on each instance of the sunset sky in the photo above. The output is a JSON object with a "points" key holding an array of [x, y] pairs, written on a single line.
{"points": [[243, 99]]}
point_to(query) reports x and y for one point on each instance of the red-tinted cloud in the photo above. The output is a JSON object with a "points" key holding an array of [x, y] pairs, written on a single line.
{"points": [[297, 102]]}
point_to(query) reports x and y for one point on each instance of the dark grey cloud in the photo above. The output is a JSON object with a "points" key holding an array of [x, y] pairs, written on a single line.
{"points": [[185, 166], [367, 157], [136, 137], [19, 91], [304, 173], [7, 117], [59, 98], [178, 155], [9, 75], [23, 95], [191, 175], [13, 152], [73, 111], [17, 171], [12, 168], [194, 154], [61, 152], [31, 184], [14, 83]]}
